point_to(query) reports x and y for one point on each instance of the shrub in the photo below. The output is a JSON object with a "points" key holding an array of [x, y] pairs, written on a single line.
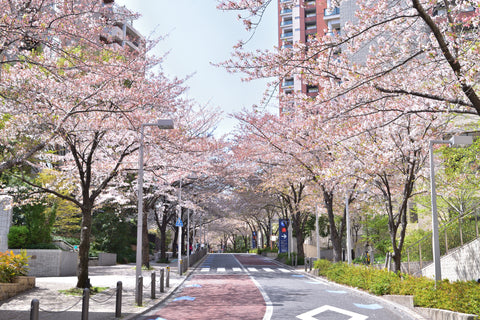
{"points": [[18, 237], [13, 265], [460, 296]]}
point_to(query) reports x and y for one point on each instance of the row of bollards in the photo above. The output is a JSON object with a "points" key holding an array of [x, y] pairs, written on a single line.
{"points": [[164, 282], [139, 293]]}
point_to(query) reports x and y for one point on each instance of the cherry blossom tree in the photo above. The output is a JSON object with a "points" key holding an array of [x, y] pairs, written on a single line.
{"points": [[425, 50], [46, 48]]}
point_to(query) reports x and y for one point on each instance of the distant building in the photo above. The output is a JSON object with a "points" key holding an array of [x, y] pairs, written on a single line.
{"points": [[121, 31]]}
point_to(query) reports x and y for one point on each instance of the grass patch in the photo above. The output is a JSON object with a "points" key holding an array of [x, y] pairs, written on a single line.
{"points": [[79, 291]]}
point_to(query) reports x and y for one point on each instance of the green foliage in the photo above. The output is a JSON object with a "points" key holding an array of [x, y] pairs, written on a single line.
{"points": [[115, 233], [460, 296], [283, 257], [13, 265], [323, 225], [18, 237], [376, 233], [37, 220]]}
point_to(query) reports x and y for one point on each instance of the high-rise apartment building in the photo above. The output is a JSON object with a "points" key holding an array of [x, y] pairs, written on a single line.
{"points": [[298, 22], [121, 31]]}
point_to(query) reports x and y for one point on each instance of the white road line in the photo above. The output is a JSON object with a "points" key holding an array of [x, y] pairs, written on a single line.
{"points": [[205, 269], [221, 270], [237, 269], [284, 270], [252, 270], [268, 270]]}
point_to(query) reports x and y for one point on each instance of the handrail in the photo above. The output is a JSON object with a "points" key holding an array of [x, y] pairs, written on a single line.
{"points": [[459, 239]]}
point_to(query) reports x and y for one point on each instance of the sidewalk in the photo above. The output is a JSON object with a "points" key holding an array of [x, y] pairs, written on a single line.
{"points": [[57, 306]]}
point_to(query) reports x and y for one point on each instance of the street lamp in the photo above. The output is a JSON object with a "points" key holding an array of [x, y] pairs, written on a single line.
{"points": [[455, 140], [161, 124], [317, 232], [347, 217]]}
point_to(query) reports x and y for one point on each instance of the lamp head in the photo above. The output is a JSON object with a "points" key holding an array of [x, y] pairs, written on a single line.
{"points": [[461, 140], [165, 124]]}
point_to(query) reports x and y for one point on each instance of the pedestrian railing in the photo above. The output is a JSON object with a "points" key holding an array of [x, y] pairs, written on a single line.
{"points": [[452, 234], [106, 297]]}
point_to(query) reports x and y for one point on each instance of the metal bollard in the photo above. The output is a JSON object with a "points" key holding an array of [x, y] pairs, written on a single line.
{"points": [[152, 286], [162, 279], [118, 301], [85, 301], [180, 266], [310, 264], [296, 260], [306, 263], [139, 297], [34, 309], [167, 282]]}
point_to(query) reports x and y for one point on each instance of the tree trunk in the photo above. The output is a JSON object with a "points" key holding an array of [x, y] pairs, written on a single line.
{"points": [[335, 235], [175, 241], [84, 248], [163, 243]]}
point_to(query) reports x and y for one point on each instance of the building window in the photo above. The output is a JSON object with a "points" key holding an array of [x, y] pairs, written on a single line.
{"points": [[312, 89]]}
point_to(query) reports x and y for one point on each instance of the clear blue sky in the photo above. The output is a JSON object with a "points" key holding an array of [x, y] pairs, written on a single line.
{"points": [[199, 34]]}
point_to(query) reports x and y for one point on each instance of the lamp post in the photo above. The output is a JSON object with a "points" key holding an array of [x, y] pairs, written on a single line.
{"points": [[347, 217], [317, 232], [179, 225], [454, 141], [161, 124]]}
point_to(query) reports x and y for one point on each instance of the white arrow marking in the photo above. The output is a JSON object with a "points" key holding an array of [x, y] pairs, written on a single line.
{"points": [[310, 314]]}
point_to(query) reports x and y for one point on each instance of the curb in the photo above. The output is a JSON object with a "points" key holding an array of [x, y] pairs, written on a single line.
{"points": [[169, 294]]}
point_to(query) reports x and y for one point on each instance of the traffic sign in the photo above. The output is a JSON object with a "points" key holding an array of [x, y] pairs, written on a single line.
{"points": [[283, 236], [179, 223]]}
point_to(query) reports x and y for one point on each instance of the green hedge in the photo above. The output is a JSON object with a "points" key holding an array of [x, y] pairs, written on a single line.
{"points": [[459, 296]]}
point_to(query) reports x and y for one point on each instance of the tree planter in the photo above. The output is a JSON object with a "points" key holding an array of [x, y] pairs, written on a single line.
{"points": [[21, 284]]}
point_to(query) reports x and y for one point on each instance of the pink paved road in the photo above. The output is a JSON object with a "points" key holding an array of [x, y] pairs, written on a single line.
{"points": [[216, 297]]}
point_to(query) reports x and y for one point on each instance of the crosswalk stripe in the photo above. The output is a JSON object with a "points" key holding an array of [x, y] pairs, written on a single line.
{"points": [[237, 269], [221, 270], [284, 270], [205, 269], [252, 270], [268, 269]]}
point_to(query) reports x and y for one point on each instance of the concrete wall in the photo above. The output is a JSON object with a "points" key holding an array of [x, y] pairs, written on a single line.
{"points": [[5, 221], [460, 264], [104, 259], [51, 263]]}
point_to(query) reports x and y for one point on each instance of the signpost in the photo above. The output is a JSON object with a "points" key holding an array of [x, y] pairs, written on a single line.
{"points": [[283, 236]]}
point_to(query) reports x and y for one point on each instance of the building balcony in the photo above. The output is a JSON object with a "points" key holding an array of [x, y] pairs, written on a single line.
{"points": [[286, 23], [285, 12], [287, 83], [331, 13], [286, 35]]}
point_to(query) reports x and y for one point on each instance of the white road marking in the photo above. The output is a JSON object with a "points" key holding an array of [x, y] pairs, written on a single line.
{"points": [[221, 270], [268, 270], [284, 270], [310, 315], [205, 269], [237, 269], [252, 270]]}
